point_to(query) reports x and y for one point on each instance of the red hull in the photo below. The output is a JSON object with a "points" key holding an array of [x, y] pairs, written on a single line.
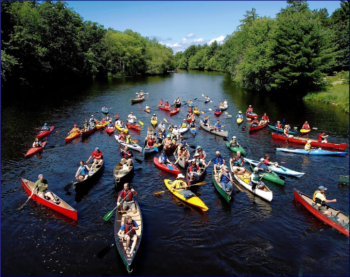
{"points": [[319, 215], [175, 112], [253, 115], [33, 150], [217, 113], [168, 109], [110, 131], [165, 167], [251, 129], [84, 134], [45, 133], [313, 143], [135, 127], [72, 213]]}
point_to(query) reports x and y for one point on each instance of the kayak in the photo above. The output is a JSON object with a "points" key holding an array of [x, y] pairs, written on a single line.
{"points": [[79, 186], [342, 226], [101, 125], [165, 108], [104, 111], [73, 135], [35, 149], [193, 131], [223, 108], [281, 130], [177, 104], [189, 119], [134, 126], [305, 131], [62, 208], [121, 246], [154, 122], [196, 179], [235, 149], [133, 146], [312, 152], [150, 150], [226, 194], [208, 129], [183, 130], [251, 129], [240, 120], [186, 195], [206, 101], [174, 112], [344, 179], [147, 110], [88, 132], [251, 115], [217, 113], [45, 133], [279, 169], [164, 167], [197, 112], [121, 176], [270, 176], [110, 130], [120, 129], [190, 105], [137, 100], [314, 142]]}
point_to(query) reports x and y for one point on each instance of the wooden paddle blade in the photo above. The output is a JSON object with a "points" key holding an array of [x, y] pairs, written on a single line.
{"points": [[200, 184], [158, 192]]}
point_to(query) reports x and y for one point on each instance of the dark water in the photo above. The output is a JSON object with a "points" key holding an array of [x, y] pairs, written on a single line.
{"points": [[245, 237]]}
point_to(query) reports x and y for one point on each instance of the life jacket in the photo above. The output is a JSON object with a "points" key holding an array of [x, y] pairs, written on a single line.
{"points": [[166, 104], [184, 125], [218, 160], [286, 131], [164, 158], [249, 110], [278, 125], [218, 110], [194, 167], [306, 126], [128, 195], [237, 161], [128, 227], [320, 138], [317, 200], [150, 142], [160, 103], [201, 156], [193, 125], [205, 121], [265, 117], [233, 143], [308, 147], [110, 124], [126, 154], [239, 115], [128, 140]]}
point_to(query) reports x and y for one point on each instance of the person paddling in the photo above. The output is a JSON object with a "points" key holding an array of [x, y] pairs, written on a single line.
{"points": [[218, 110], [250, 109], [264, 119], [226, 179], [239, 115], [194, 170], [278, 125], [127, 232], [45, 128], [218, 126], [177, 101], [131, 118], [104, 108], [286, 131], [127, 154], [98, 157], [234, 143], [128, 195], [254, 178], [163, 159], [322, 137], [42, 186], [37, 143], [237, 163], [262, 166], [179, 183], [160, 102], [308, 145], [320, 201], [205, 121], [75, 128], [255, 122], [306, 126]]}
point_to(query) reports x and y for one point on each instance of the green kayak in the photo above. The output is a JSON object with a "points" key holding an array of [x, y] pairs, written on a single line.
{"points": [[235, 149], [281, 131], [344, 179], [270, 176]]}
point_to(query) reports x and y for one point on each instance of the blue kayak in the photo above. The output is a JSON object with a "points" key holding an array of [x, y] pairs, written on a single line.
{"points": [[312, 152], [193, 131]]}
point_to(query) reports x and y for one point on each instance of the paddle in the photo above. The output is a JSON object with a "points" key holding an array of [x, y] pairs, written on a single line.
{"points": [[67, 187], [26, 201], [141, 122], [237, 186], [203, 95], [162, 191], [117, 115], [139, 161], [165, 120], [134, 140], [155, 149], [170, 167], [110, 213]]}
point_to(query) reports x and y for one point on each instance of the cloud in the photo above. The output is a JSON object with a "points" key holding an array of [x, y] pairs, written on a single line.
{"points": [[198, 40], [184, 39], [176, 45], [189, 35], [219, 40]]}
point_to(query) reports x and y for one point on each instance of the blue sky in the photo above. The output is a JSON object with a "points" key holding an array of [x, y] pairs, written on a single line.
{"points": [[181, 24]]}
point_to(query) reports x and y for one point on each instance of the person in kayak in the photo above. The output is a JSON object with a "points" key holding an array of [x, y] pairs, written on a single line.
{"points": [[205, 121], [42, 186], [147, 107], [190, 102], [82, 172], [250, 109], [184, 124], [189, 111], [322, 137], [110, 125], [108, 118], [98, 158], [128, 195], [218, 161], [92, 119], [196, 108], [104, 108], [308, 146], [278, 125], [128, 139], [225, 103], [154, 117], [166, 104], [167, 141], [179, 183], [286, 131], [267, 161], [175, 133], [127, 233], [75, 128], [182, 142], [207, 99], [254, 178], [162, 126], [200, 152], [37, 143], [86, 127], [222, 106], [239, 115], [320, 201], [163, 159], [174, 109], [171, 127], [140, 95], [306, 126], [226, 179], [264, 119], [127, 154], [200, 162], [218, 110], [234, 143], [218, 126], [117, 122], [150, 142], [131, 118], [45, 128], [160, 102], [237, 163], [122, 136], [92, 125], [192, 124], [193, 171], [262, 166], [255, 122]]}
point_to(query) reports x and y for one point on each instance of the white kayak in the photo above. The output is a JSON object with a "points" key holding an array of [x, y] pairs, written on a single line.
{"points": [[278, 169], [208, 129], [133, 146], [183, 130]]}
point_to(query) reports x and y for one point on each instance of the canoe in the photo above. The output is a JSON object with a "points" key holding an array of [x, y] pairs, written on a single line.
{"points": [[251, 129], [148, 151], [100, 125], [168, 109], [197, 179], [178, 105], [252, 115], [119, 177], [314, 142], [186, 196], [193, 131], [84, 134], [137, 100], [165, 167], [33, 150], [120, 129], [134, 126], [78, 186], [110, 130], [174, 112], [170, 150], [72, 135], [45, 133], [154, 122], [121, 245], [133, 146], [270, 176], [305, 131], [104, 111], [206, 128], [217, 113], [281, 130], [261, 190], [226, 194], [312, 152], [235, 149], [182, 162], [279, 169], [196, 112], [344, 179], [342, 226], [62, 208], [147, 110], [240, 120], [223, 108], [183, 130]]}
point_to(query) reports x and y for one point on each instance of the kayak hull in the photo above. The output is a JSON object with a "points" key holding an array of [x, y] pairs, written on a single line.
{"points": [[165, 167], [196, 112], [252, 129], [174, 112], [224, 108], [312, 152], [149, 151], [272, 177], [45, 133], [110, 130], [305, 131], [84, 134], [154, 122], [281, 130], [206, 128], [137, 100], [252, 115], [105, 111], [240, 120], [125, 130], [34, 150], [134, 126], [100, 126], [217, 113], [73, 136], [235, 149], [168, 109], [133, 146], [344, 179]]}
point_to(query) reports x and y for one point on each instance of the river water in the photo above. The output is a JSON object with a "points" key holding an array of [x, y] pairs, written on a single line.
{"points": [[247, 236]]}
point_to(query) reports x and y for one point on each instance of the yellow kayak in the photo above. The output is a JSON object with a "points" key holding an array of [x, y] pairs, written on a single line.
{"points": [[239, 120], [305, 131], [180, 193], [196, 112], [154, 122], [121, 129], [100, 125]]}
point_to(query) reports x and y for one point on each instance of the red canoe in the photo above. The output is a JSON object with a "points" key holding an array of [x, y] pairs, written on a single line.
{"points": [[251, 129], [252, 115], [165, 167], [110, 130], [62, 208], [45, 133], [314, 142], [168, 109], [135, 126], [174, 112], [217, 113], [35, 149], [306, 202]]}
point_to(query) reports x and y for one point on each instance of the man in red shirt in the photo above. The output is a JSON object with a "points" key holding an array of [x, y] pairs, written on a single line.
{"points": [[264, 119], [322, 137], [255, 122], [97, 155], [250, 109], [306, 126]]}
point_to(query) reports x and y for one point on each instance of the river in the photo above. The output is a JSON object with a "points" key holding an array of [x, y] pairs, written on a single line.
{"points": [[247, 236]]}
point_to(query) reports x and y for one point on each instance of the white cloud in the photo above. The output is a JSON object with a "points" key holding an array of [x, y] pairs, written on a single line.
{"points": [[173, 45], [198, 40], [161, 42], [189, 35], [219, 40], [184, 39]]}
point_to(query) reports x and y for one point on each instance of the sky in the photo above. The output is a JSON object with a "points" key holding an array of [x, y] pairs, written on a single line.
{"points": [[179, 24]]}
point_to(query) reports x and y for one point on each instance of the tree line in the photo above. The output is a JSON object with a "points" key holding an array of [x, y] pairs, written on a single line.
{"points": [[293, 52], [50, 43]]}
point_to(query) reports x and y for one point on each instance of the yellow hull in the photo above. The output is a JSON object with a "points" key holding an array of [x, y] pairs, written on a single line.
{"points": [[99, 126], [196, 112], [154, 122], [121, 129], [239, 120], [305, 131]]}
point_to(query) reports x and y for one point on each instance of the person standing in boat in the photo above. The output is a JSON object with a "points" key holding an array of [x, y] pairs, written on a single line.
{"points": [[127, 195], [250, 109], [37, 143], [306, 126], [82, 172], [320, 201], [239, 115], [322, 138], [45, 128], [237, 163], [131, 118], [226, 179], [179, 183], [127, 232], [98, 157], [42, 186]]}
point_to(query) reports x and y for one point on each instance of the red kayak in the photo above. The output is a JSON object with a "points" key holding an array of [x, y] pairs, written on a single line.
{"points": [[314, 142], [110, 130], [251, 129], [252, 115], [189, 119], [35, 149], [45, 133], [62, 207], [306, 201], [165, 167], [217, 113], [168, 109], [174, 112], [134, 126]]}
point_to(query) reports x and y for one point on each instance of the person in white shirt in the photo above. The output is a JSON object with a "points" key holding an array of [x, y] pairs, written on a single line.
{"points": [[225, 103], [131, 118], [118, 122], [161, 125], [175, 133]]}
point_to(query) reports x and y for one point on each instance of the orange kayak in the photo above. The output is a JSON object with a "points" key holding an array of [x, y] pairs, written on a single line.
{"points": [[73, 135]]}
